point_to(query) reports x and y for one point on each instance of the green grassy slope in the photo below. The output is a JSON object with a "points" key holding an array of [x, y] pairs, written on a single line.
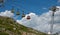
{"points": [[9, 26]]}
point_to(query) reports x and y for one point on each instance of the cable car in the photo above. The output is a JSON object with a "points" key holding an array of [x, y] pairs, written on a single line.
{"points": [[23, 15], [28, 17], [17, 13], [1, 1], [12, 10]]}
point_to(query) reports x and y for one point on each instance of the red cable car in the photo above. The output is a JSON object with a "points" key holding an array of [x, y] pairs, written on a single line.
{"points": [[28, 17]]}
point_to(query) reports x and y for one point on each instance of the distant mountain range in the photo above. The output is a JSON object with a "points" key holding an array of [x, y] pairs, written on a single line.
{"points": [[9, 26]]}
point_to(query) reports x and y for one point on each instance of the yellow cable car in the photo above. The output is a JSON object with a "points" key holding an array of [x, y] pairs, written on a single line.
{"points": [[1, 1], [18, 12], [23, 15], [12, 10]]}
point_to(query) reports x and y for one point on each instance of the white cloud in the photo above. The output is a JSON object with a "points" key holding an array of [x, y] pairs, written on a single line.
{"points": [[7, 14], [42, 22]]}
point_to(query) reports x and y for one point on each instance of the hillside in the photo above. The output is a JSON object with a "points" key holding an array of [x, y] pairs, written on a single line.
{"points": [[9, 26]]}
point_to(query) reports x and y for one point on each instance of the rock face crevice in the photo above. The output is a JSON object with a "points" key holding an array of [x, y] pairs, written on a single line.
{"points": [[9, 26]]}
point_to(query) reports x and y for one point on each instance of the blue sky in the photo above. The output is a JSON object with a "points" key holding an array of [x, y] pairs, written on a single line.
{"points": [[36, 6], [40, 16]]}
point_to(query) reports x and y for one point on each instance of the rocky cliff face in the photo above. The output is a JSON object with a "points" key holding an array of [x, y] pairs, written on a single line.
{"points": [[9, 26]]}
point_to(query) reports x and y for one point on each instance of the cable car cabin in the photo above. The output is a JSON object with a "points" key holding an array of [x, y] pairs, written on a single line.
{"points": [[23, 15], [12, 10], [1, 1], [28, 17], [17, 13]]}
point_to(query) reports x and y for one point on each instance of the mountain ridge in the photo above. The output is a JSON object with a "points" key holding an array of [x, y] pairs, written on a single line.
{"points": [[9, 26]]}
